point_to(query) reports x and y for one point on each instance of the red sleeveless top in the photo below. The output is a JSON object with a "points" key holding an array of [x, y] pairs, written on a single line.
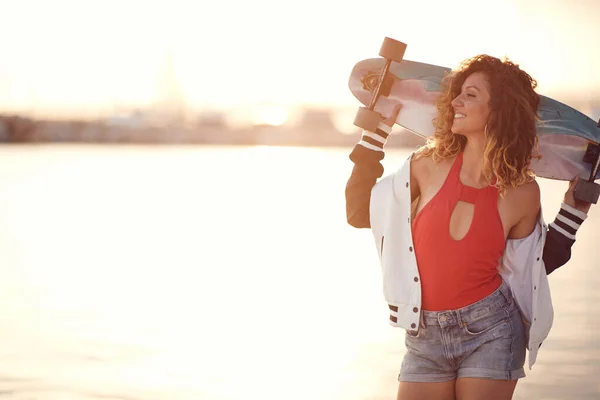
{"points": [[456, 273]]}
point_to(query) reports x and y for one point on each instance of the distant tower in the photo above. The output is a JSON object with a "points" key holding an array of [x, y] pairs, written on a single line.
{"points": [[172, 103]]}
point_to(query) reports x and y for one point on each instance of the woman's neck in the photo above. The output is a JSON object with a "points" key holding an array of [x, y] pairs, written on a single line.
{"points": [[472, 165]]}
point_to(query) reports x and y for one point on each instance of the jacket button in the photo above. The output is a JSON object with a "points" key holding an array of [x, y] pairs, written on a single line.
{"points": [[406, 184], [413, 326], [535, 288], [416, 279], [415, 309], [410, 249], [538, 259]]}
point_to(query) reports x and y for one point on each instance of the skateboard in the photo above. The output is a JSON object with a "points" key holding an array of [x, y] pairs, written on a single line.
{"points": [[568, 139]]}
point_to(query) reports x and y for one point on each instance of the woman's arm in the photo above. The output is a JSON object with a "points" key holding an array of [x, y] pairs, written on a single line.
{"points": [[366, 156], [561, 232]]}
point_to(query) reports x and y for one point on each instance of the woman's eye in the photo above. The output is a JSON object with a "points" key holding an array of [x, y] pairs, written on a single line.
{"points": [[470, 95]]}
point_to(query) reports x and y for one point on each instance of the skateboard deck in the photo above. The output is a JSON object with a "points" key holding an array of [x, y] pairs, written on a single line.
{"points": [[563, 132]]}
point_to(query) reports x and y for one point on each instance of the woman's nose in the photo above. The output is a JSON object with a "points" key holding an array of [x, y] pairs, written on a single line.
{"points": [[457, 102]]}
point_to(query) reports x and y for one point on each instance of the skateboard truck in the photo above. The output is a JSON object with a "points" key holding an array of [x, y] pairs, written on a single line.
{"points": [[366, 117], [588, 190]]}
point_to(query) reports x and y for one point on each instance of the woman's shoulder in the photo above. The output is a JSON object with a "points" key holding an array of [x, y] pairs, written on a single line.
{"points": [[421, 157], [526, 195], [421, 162], [528, 188], [426, 171]]}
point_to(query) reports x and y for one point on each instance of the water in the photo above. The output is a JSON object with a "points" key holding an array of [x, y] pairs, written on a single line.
{"points": [[221, 273]]}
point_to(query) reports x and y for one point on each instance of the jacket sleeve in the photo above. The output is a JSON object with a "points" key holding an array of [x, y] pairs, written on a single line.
{"points": [[561, 236], [366, 156]]}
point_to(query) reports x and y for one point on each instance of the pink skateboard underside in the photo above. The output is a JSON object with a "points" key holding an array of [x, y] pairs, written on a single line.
{"points": [[562, 154]]}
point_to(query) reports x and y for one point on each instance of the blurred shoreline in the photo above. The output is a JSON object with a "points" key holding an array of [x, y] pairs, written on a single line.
{"points": [[314, 127]]}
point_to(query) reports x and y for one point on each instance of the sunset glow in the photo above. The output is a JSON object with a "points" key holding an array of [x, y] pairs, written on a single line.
{"points": [[82, 58]]}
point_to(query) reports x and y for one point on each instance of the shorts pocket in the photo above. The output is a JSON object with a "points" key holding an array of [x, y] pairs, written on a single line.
{"points": [[414, 334], [486, 325]]}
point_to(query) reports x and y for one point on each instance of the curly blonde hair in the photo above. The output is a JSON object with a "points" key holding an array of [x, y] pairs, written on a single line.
{"points": [[511, 127]]}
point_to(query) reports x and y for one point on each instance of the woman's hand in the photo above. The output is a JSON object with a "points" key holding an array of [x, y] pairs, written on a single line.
{"points": [[569, 199], [391, 120]]}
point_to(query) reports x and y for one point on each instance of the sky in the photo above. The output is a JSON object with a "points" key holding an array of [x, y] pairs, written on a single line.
{"points": [[92, 57]]}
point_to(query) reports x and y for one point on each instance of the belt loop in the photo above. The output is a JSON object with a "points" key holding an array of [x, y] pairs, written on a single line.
{"points": [[459, 319]]}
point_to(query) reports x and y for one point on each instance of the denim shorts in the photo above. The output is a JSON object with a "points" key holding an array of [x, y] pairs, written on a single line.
{"points": [[485, 339]]}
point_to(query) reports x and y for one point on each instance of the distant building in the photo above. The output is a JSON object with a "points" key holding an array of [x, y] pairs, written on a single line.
{"points": [[4, 132], [212, 120], [318, 119]]}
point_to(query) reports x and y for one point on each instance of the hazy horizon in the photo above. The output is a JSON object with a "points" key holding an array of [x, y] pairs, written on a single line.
{"points": [[68, 58]]}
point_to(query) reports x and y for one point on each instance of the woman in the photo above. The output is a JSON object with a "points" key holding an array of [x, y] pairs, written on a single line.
{"points": [[461, 238]]}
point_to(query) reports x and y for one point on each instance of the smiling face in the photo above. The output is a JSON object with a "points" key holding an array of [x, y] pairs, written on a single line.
{"points": [[497, 93], [471, 106]]}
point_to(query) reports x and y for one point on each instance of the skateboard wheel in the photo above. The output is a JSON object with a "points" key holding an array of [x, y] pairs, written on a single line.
{"points": [[392, 49], [367, 119]]}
